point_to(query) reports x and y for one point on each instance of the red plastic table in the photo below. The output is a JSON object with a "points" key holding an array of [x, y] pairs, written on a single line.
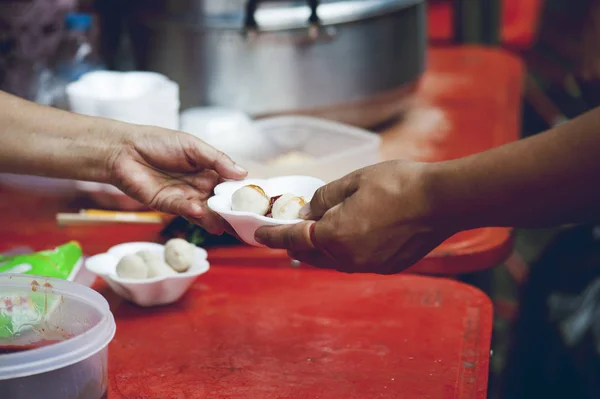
{"points": [[266, 332], [269, 333]]}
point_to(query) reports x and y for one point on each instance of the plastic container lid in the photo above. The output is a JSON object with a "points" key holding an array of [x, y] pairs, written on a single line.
{"points": [[71, 310], [301, 145], [229, 130], [78, 22]]}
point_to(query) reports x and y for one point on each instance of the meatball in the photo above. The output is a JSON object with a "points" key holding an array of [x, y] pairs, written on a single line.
{"points": [[250, 198], [132, 267], [179, 254]]}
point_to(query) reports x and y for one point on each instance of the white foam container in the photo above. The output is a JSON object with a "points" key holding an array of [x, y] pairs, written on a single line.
{"points": [[245, 224], [144, 98], [156, 291], [336, 149], [74, 367]]}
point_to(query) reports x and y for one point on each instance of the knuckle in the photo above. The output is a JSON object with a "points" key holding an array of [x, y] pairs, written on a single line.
{"points": [[288, 241], [221, 156], [319, 197]]}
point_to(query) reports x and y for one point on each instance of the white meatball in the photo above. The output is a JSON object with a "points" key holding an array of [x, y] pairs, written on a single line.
{"points": [[157, 267], [179, 254], [287, 207], [132, 267], [250, 198]]}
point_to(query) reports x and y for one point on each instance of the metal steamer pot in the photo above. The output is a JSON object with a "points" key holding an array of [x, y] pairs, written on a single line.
{"points": [[353, 61]]}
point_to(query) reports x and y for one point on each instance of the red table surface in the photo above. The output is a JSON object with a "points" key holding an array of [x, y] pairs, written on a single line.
{"points": [[291, 334]]}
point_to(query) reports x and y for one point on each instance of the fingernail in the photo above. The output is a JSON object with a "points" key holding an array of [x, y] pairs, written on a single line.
{"points": [[304, 211], [240, 169], [258, 240]]}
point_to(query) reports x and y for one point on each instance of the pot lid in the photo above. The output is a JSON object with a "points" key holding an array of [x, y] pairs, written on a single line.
{"points": [[279, 15]]}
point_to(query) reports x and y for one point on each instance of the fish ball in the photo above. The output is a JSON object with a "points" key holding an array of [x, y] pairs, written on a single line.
{"points": [[250, 198], [287, 207], [132, 267], [157, 267], [179, 254]]}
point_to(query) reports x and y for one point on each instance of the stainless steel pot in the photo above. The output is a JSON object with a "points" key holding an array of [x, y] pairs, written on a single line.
{"points": [[349, 60]]}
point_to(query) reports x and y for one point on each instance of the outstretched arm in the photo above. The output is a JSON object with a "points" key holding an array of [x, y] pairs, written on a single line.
{"points": [[44, 141], [548, 179], [384, 218], [168, 170]]}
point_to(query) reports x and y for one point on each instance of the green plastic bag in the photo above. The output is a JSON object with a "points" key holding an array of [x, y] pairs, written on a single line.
{"points": [[62, 262], [22, 314]]}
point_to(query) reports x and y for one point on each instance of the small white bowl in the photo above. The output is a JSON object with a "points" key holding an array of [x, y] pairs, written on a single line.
{"points": [[149, 292], [245, 224]]}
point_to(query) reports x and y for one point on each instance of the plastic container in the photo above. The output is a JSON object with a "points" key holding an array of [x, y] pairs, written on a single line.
{"points": [[320, 148], [229, 130], [76, 55], [57, 350], [154, 291]]}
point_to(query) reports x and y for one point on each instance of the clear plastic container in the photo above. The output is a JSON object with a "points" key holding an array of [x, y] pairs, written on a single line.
{"points": [[299, 145], [54, 338]]}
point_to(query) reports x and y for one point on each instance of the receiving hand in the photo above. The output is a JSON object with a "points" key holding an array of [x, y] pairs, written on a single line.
{"points": [[374, 220], [173, 172]]}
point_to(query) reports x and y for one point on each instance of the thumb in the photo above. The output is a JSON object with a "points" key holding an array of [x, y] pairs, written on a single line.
{"points": [[329, 196]]}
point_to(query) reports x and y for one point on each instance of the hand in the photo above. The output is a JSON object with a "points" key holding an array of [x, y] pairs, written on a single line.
{"points": [[375, 220], [173, 172]]}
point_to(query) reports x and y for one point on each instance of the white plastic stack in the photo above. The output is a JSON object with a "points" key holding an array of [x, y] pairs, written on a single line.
{"points": [[143, 98]]}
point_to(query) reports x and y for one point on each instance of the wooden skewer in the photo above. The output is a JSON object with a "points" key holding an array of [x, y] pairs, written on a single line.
{"points": [[95, 217]]}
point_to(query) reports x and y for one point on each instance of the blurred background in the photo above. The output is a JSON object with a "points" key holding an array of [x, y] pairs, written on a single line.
{"points": [[224, 64]]}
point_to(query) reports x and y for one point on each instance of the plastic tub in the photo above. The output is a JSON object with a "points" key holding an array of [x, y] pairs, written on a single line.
{"points": [[53, 339], [143, 98], [320, 148]]}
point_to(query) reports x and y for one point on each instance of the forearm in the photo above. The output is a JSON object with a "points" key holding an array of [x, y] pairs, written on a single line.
{"points": [[44, 141], [552, 178]]}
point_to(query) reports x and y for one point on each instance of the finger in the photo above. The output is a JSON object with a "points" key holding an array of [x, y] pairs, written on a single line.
{"points": [[314, 258], [205, 156], [294, 237], [329, 196], [179, 205], [212, 223]]}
